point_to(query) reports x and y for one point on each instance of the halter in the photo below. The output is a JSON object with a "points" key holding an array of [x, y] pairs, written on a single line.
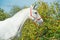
{"points": [[31, 13], [33, 16]]}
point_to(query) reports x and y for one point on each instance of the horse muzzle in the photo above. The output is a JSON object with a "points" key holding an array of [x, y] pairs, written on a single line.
{"points": [[39, 22]]}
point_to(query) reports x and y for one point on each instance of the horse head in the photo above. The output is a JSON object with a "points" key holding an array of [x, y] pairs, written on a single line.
{"points": [[34, 15]]}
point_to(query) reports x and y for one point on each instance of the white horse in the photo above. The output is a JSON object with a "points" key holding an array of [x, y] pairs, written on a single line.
{"points": [[10, 26]]}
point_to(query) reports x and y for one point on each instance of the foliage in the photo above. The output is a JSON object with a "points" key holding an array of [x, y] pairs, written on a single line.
{"points": [[50, 30], [3, 15], [14, 10]]}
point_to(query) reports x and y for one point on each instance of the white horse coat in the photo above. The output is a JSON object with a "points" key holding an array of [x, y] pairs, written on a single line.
{"points": [[10, 26]]}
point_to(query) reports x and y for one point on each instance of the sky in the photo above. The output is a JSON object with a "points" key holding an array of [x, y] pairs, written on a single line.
{"points": [[7, 4]]}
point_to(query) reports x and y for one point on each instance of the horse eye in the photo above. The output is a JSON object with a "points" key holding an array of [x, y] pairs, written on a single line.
{"points": [[35, 12]]}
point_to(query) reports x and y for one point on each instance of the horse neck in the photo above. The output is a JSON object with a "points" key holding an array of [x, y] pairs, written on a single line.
{"points": [[20, 17]]}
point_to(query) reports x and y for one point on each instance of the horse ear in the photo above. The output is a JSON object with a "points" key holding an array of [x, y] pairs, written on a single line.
{"points": [[35, 6], [31, 7]]}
